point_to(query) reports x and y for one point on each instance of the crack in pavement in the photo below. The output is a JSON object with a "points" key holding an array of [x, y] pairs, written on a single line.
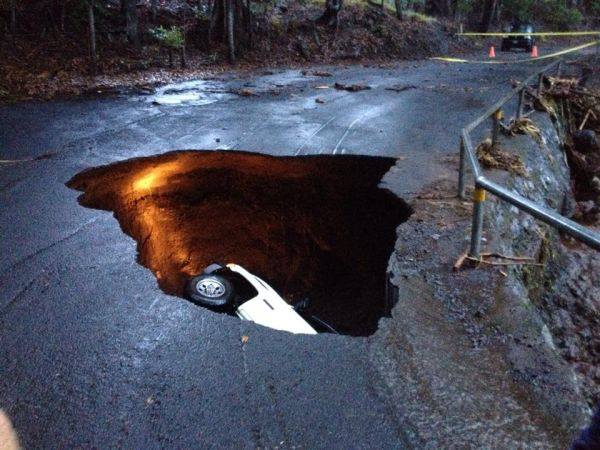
{"points": [[49, 246], [255, 429], [70, 146], [12, 301]]}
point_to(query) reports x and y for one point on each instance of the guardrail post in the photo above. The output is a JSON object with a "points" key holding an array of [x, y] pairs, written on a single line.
{"points": [[521, 102], [462, 169], [496, 118], [477, 226], [540, 84]]}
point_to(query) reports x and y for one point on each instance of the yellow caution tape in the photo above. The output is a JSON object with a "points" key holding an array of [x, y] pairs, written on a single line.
{"points": [[542, 33], [539, 58]]}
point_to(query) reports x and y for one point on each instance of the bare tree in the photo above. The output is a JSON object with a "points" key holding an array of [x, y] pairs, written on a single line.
{"points": [[131, 21], [92, 31], [154, 9], [398, 4], [230, 26], [489, 8], [330, 15], [13, 16], [231, 23]]}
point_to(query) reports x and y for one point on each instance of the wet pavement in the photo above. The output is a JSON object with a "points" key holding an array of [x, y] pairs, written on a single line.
{"points": [[94, 354]]}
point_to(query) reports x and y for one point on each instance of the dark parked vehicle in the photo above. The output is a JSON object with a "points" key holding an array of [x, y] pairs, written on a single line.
{"points": [[526, 42]]}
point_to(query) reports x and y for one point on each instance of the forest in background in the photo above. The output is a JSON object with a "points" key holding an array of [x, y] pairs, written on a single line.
{"points": [[45, 43]]}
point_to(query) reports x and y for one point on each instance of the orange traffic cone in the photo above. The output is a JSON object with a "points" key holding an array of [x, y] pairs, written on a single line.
{"points": [[534, 52], [492, 52]]}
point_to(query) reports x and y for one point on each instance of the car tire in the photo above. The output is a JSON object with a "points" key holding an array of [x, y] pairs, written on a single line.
{"points": [[210, 290]]}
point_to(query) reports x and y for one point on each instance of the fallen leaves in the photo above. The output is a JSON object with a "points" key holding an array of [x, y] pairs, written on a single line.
{"points": [[492, 157], [523, 125]]}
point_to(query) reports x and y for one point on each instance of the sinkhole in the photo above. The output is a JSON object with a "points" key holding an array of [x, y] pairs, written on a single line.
{"points": [[317, 227]]}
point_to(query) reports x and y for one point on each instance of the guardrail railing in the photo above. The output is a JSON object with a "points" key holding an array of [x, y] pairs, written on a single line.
{"points": [[483, 184]]}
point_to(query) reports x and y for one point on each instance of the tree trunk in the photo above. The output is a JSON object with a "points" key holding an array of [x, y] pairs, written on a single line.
{"points": [[215, 13], [398, 4], [488, 14], [154, 10], [230, 9], [92, 29], [249, 25], [454, 6], [13, 16], [63, 15], [330, 15], [131, 22]]}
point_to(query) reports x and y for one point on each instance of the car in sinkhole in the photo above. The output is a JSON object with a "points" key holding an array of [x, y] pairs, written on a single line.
{"points": [[234, 290]]}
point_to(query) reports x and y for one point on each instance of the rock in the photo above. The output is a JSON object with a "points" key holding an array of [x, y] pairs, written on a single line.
{"points": [[351, 87], [586, 211]]}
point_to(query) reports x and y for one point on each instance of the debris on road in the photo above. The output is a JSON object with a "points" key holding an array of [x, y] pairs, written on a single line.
{"points": [[351, 87], [319, 100], [401, 88], [316, 73], [244, 92]]}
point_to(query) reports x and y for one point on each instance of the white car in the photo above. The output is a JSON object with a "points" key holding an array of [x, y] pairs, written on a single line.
{"points": [[233, 289]]}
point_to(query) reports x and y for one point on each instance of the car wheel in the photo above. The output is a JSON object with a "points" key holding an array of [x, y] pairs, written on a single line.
{"points": [[210, 290]]}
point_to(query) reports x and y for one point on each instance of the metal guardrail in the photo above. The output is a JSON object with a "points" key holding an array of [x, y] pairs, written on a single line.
{"points": [[483, 184]]}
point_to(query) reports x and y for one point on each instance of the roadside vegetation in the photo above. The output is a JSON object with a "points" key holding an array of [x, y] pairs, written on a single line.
{"points": [[51, 47]]}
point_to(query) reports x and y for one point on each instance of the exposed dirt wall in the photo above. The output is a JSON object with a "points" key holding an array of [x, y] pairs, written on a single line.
{"points": [[317, 227]]}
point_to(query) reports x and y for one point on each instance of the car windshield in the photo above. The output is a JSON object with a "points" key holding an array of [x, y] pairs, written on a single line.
{"points": [[522, 28]]}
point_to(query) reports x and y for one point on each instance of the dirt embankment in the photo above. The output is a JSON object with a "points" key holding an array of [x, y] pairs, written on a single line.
{"points": [[316, 227], [59, 64]]}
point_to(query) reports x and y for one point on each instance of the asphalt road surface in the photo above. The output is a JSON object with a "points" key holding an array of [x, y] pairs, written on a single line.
{"points": [[93, 354]]}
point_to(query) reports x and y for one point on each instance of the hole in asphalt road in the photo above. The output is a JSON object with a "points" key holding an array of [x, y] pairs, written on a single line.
{"points": [[314, 226]]}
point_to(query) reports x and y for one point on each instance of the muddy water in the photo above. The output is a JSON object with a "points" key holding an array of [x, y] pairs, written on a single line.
{"points": [[317, 227]]}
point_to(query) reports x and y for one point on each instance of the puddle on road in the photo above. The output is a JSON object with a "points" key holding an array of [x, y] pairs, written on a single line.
{"points": [[315, 226], [193, 93]]}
